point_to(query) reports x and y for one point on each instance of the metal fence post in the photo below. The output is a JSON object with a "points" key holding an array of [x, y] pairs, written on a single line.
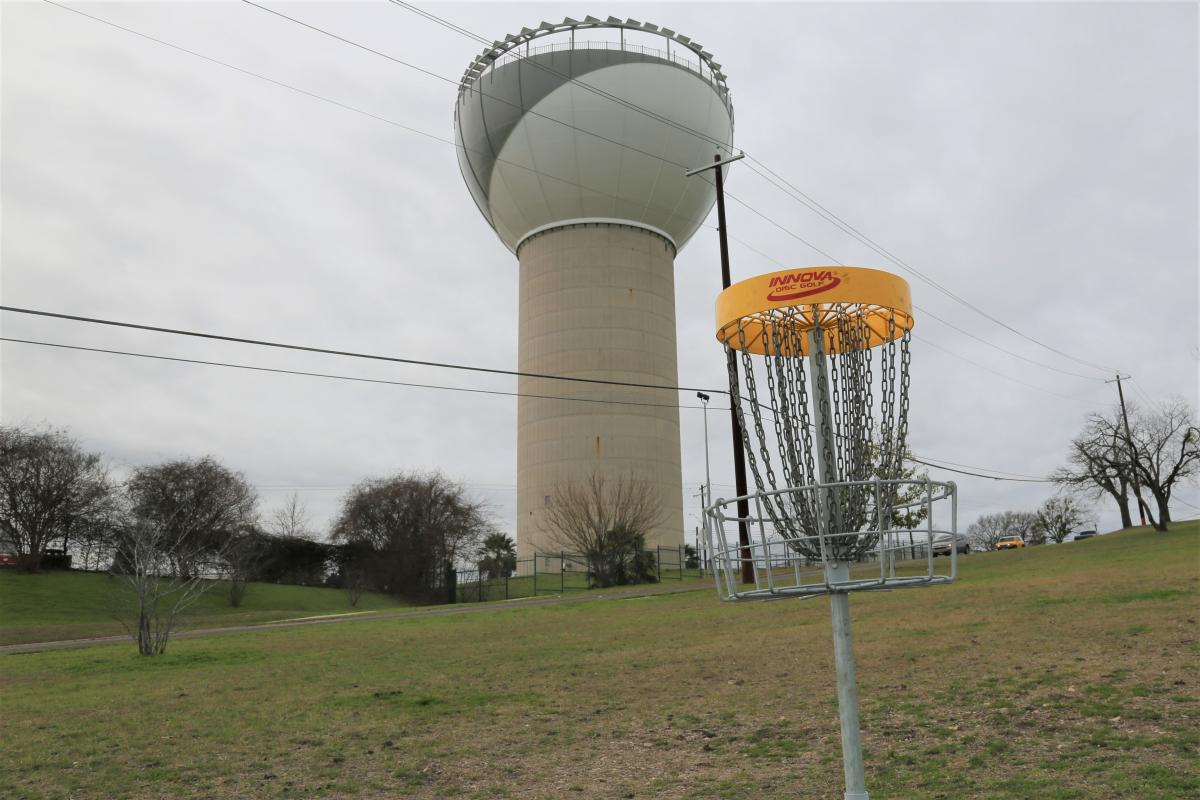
{"points": [[505, 584], [562, 572], [658, 563], [535, 574]]}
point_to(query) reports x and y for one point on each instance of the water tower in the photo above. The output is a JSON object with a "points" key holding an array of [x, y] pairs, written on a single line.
{"points": [[573, 139]]}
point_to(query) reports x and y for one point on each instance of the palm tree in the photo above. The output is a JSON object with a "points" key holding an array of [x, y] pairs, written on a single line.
{"points": [[498, 558]]}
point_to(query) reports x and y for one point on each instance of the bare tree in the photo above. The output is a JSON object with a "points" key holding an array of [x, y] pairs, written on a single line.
{"points": [[183, 520], [408, 530], [157, 593], [196, 499], [291, 520], [991, 528], [1167, 448], [606, 520], [49, 489], [1097, 464], [1057, 517], [1160, 450]]}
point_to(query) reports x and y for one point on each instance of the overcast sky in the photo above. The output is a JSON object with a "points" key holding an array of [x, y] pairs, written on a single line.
{"points": [[1039, 160]]}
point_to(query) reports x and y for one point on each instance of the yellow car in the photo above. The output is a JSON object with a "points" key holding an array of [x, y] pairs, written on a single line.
{"points": [[1009, 542]]}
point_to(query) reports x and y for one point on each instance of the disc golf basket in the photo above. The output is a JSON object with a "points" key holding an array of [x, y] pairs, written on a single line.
{"points": [[824, 353]]}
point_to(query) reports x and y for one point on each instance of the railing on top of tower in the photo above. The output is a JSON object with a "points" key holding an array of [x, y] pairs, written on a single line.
{"points": [[498, 52]]}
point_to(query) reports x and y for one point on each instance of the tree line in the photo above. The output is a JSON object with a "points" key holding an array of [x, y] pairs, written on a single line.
{"points": [[1135, 460], [171, 531]]}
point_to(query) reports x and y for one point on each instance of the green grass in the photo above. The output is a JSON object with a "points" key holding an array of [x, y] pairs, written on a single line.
{"points": [[73, 605], [972, 690]]}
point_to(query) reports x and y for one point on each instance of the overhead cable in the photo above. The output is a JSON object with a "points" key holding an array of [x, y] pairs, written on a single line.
{"points": [[829, 216], [356, 379], [346, 353], [791, 190], [380, 381], [452, 143]]}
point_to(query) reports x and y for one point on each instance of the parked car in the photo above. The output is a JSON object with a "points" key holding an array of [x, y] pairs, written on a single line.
{"points": [[942, 545], [1084, 535], [1009, 543], [8, 560]]}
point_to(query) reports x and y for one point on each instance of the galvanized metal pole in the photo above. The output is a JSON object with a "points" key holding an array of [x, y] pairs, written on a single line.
{"points": [[823, 421], [847, 686], [837, 570], [707, 470]]}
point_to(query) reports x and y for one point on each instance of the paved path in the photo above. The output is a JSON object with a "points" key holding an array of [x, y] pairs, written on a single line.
{"points": [[372, 616]]}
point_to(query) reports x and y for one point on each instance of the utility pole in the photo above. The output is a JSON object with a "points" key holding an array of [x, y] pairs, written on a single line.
{"points": [[739, 454], [1132, 452]]}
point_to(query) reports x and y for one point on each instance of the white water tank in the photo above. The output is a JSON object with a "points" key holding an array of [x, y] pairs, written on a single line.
{"points": [[573, 139]]}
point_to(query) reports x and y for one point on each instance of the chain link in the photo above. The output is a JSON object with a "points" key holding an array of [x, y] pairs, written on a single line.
{"points": [[857, 439]]}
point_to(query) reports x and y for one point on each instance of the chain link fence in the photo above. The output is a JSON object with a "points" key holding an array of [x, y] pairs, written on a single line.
{"points": [[561, 573]]}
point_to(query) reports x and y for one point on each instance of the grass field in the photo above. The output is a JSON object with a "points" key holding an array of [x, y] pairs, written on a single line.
{"points": [[1055, 672], [71, 605]]}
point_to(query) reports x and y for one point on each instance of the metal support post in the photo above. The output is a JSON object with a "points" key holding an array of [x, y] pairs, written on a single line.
{"points": [[822, 420], [836, 571], [847, 686]]}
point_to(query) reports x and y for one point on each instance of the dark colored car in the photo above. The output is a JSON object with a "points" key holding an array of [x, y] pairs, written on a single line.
{"points": [[1084, 535], [941, 546]]}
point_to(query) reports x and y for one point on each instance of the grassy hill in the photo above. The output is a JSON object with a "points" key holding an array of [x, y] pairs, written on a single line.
{"points": [[1053, 673], [73, 605]]}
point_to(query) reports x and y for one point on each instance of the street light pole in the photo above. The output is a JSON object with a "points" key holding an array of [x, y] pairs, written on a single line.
{"points": [[739, 455], [707, 470]]}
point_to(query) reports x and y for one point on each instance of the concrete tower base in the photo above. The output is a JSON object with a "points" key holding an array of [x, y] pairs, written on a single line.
{"points": [[597, 300]]}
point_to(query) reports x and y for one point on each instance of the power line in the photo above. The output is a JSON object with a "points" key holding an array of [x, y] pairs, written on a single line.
{"points": [[980, 475], [331, 376], [452, 143], [346, 353], [554, 177], [791, 190], [924, 311], [994, 372], [380, 381], [1142, 392], [829, 216], [453, 82], [348, 107]]}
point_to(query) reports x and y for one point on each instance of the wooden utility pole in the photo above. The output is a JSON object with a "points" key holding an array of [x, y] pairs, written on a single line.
{"points": [[1132, 452], [739, 453]]}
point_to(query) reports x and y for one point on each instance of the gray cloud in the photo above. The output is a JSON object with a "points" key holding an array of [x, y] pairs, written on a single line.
{"points": [[1039, 160]]}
